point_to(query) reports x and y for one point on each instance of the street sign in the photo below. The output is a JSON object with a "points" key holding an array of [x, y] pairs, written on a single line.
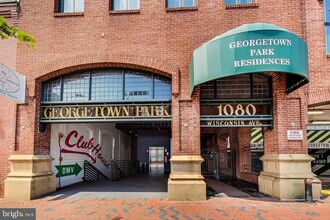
{"points": [[68, 170]]}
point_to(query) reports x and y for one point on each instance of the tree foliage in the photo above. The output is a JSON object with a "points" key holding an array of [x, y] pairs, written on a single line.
{"points": [[8, 31]]}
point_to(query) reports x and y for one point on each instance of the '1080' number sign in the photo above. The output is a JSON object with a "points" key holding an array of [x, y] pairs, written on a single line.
{"points": [[239, 109]]}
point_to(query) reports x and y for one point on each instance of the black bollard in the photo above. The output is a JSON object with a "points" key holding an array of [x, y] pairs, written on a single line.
{"points": [[141, 167]]}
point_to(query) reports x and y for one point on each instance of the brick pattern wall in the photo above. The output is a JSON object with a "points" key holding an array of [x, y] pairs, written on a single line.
{"points": [[296, 114], [221, 144], [244, 152], [243, 163], [7, 136], [317, 91], [275, 140], [240, 139], [154, 40], [319, 62], [8, 107]]}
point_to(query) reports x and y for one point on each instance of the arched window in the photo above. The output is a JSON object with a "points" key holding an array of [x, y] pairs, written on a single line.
{"points": [[107, 85]]}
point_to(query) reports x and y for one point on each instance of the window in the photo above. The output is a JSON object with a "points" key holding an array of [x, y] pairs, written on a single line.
{"points": [[240, 86], [327, 25], [234, 2], [52, 91], [65, 6], [162, 88], [180, 3], [108, 85], [138, 86], [76, 87], [125, 4]]}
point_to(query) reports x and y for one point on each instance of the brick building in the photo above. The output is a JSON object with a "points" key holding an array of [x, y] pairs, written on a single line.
{"points": [[117, 80]]}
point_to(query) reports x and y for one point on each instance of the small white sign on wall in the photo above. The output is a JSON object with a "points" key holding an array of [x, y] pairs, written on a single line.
{"points": [[295, 135], [12, 84]]}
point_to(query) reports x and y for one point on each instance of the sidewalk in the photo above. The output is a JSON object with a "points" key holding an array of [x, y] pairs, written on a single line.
{"points": [[64, 208]]}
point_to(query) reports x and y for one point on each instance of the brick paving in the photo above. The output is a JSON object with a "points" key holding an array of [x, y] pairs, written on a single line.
{"points": [[62, 208]]}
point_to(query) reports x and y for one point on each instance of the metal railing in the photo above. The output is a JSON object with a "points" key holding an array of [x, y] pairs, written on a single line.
{"points": [[123, 168], [119, 169], [256, 163], [210, 165], [91, 173]]}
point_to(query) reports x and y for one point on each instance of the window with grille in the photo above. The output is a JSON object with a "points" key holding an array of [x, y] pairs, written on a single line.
{"points": [[52, 91], [108, 85], [76, 87], [237, 87], [138, 86], [162, 87]]}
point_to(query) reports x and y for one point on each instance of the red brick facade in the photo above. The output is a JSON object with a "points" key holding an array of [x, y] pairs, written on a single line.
{"points": [[319, 65], [8, 52], [160, 41]]}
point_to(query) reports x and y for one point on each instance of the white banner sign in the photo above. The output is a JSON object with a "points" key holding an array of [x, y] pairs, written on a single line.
{"points": [[295, 135], [12, 84]]}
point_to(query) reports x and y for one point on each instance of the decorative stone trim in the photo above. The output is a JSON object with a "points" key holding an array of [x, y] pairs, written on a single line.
{"points": [[99, 60], [283, 176], [69, 14], [236, 6], [114, 12], [185, 181], [30, 177], [193, 8]]}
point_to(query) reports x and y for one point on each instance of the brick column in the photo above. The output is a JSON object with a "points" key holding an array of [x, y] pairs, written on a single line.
{"points": [[185, 181], [285, 163], [30, 171], [7, 137]]}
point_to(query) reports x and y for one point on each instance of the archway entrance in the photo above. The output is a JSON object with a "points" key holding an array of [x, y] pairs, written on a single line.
{"points": [[234, 111], [108, 124]]}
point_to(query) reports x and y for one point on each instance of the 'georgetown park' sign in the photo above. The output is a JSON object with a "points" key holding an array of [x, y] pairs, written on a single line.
{"points": [[107, 112]]}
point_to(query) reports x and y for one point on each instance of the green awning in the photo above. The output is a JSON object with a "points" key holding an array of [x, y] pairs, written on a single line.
{"points": [[251, 48]]}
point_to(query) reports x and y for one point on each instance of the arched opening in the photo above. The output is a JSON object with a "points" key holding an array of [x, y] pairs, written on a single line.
{"points": [[234, 111], [109, 124]]}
